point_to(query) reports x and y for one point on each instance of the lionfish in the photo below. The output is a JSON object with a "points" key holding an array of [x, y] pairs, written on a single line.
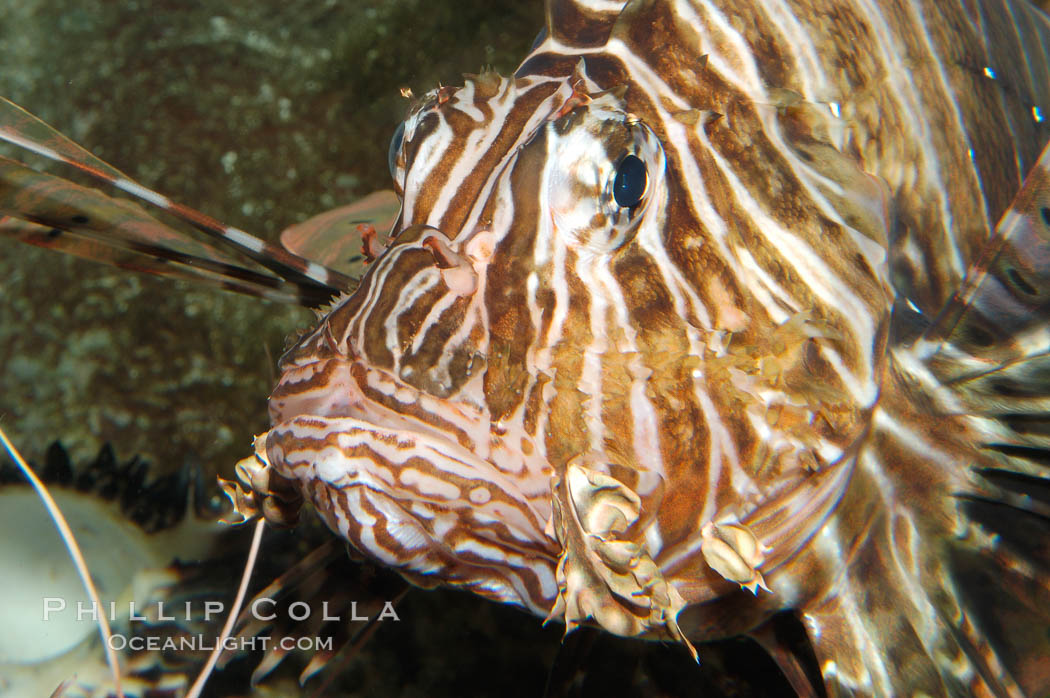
{"points": [[701, 317]]}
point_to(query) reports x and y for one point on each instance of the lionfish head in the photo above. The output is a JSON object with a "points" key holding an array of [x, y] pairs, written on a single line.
{"points": [[428, 414], [525, 395]]}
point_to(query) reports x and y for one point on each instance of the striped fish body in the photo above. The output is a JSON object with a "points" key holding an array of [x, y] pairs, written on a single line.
{"points": [[657, 325]]}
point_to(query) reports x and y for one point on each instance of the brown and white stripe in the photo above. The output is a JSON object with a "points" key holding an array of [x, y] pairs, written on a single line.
{"points": [[532, 372]]}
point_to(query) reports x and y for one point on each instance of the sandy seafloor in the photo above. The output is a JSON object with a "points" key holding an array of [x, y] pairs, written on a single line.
{"points": [[260, 114]]}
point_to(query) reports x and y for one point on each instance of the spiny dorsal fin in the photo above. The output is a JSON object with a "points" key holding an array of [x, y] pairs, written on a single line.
{"points": [[51, 212], [1001, 314], [315, 283], [989, 350]]}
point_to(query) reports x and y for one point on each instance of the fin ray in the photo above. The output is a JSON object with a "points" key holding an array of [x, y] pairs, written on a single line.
{"points": [[18, 127]]}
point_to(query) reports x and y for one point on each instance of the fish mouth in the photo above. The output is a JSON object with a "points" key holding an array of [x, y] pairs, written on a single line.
{"points": [[415, 481], [347, 392]]}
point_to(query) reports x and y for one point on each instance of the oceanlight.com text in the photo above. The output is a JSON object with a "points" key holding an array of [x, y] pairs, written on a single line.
{"points": [[198, 643]]}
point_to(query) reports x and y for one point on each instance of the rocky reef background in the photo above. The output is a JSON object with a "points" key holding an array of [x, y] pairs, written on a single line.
{"points": [[260, 114]]}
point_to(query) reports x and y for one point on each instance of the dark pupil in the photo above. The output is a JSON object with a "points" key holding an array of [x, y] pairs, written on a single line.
{"points": [[629, 185], [395, 148]]}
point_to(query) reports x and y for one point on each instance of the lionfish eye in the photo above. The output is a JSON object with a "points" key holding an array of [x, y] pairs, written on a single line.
{"points": [[395, 148], [630, 182]]}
